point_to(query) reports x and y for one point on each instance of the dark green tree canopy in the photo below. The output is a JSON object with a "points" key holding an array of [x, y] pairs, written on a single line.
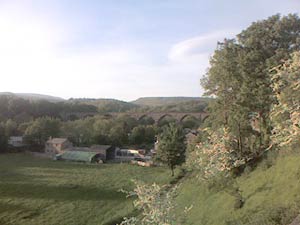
{"points": [[239, 78], [171, 146]]}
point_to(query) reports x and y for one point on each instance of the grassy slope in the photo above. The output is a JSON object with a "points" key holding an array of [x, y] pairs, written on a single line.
{"points": [[271, 195], [40, 191]]}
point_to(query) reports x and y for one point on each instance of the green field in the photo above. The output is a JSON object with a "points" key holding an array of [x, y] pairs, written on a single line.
{"points": [[36, 191]]}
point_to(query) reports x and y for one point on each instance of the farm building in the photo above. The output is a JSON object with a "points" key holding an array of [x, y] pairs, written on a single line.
{"points": [[108, 151], [105, 152], [16, 141], [79, 156], [57, 145]]}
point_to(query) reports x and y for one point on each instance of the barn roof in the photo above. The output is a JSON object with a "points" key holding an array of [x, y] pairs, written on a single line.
{"points": [[81, 149], [78, 156], [93, 148]]}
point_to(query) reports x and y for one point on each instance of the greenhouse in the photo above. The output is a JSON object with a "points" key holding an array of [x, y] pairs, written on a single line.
{"points": [[79, 156]]}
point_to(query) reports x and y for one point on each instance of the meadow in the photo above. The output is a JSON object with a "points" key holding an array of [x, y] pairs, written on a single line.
{"points": [[271, 195], [43, 192]]}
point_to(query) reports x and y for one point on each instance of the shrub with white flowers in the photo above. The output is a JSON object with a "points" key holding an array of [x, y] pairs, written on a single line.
{"points": [[285, 114], [216, 154], [155, 204]]}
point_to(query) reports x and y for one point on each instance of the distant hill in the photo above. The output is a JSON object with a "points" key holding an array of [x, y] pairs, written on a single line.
{"points": [[34, 97], [145, 104], [107, 105], [162, 101]]}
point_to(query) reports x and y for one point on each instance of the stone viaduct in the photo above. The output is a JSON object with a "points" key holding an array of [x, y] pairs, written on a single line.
{"points": [[156, 116]]}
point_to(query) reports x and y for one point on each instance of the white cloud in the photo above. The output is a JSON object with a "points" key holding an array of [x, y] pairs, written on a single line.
{"points": [[199, 46]]}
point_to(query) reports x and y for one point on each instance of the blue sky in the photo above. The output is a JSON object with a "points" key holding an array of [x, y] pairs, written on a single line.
{"points": [[121, 49]]}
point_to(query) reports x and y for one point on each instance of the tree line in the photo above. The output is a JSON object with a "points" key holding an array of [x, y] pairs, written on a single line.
{"points": [[22, 110], [120, 131]]}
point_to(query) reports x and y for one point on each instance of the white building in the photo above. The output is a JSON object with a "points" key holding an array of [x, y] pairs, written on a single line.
{"points": [[16, 141]]}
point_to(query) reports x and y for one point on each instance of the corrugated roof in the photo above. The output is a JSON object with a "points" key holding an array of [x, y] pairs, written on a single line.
{"points": [[83, 149], [78, 156], [57, 140]]}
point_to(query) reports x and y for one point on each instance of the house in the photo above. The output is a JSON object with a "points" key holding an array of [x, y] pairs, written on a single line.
{"points": [[57, 145], [16, 141], [79, 156]]}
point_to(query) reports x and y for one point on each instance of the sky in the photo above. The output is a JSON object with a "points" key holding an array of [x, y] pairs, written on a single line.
{"points": [[122, 49]]}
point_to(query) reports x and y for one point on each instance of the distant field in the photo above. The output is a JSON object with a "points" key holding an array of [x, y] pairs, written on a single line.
{"points": [[37, 191]]}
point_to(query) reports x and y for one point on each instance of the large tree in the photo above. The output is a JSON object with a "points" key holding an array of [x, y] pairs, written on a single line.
{"points": [[171, 146], [239, 78]]}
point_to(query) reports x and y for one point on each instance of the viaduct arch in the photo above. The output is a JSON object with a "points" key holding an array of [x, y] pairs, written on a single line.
{"points": [[156, 116]]}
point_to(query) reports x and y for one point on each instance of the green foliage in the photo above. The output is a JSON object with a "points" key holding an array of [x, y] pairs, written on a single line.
{"points": [[239, 79], [101, 129], [142, 134], [80, 132], [121, 131], [118, 135], [190, 122], [22, 110], [146, 120], [166, 120], [11, 128], [39, 131], [171, 146]]}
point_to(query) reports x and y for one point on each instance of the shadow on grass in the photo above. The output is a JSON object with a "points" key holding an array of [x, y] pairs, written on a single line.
{"points": [[264, 187], [22, 211], [8, 207], [59, 193]]}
